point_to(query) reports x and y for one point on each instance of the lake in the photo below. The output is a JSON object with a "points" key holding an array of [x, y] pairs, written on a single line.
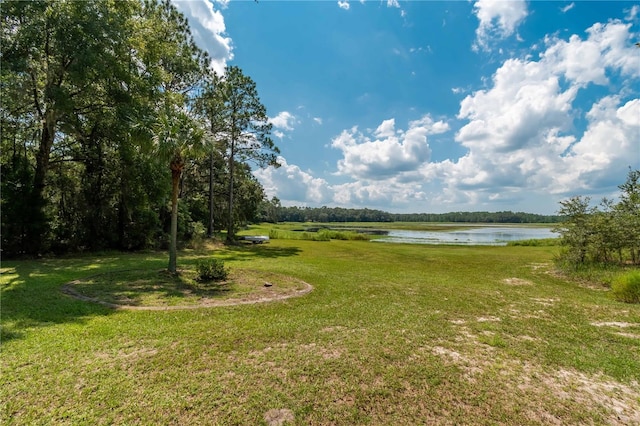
{"points": [[481, 235]]}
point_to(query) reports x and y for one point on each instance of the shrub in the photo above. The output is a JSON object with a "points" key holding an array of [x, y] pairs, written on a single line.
{"points": [[535, 242], [211, 270], [626, 287]]}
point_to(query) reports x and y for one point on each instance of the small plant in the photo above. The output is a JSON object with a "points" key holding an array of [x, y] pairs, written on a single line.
{"points": [[626, 287], [211, 270]]}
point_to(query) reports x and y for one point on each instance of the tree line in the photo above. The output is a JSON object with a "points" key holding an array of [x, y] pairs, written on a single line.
{"points": [[110, 114], [272, 211]]}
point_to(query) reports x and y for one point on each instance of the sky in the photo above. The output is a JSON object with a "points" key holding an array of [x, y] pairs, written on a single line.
{"points": [[434, 106]]}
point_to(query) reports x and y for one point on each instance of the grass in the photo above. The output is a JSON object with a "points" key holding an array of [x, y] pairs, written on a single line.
{"points": [[151, 288], [391, 334]]}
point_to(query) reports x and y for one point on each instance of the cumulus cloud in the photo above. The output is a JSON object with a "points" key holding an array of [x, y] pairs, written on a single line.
{"points": [[586, 61], [208, 28], [519, 130], [283, 121], [293, 185], [385, 152], [498, 20]]}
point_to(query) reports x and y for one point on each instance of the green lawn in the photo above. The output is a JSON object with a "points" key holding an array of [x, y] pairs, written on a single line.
{"points": [[391, 334]]}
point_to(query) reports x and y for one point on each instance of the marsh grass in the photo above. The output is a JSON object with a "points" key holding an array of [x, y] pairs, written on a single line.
{"points": [[391, 334], [319, 235]]}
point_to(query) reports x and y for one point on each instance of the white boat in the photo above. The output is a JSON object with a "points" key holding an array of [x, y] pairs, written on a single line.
{"points": [[256, 239]]}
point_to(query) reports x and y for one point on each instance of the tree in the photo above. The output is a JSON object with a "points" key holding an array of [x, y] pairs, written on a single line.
{"points": [[575, 230], [628, 213], [595, 234], [57, 58], [173, 65], [210, 105], [245, 130], [175, 136]]}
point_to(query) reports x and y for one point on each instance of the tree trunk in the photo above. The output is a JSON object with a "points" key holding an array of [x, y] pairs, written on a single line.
{"points": [[230, 232], [210, 227], [176, 171], [38, 228]]}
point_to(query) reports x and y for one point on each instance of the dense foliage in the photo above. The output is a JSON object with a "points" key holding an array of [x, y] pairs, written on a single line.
{"points": [[103, 129], [273, 212], [606, 234]]}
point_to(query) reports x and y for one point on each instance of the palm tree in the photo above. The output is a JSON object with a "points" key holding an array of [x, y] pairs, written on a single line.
{"points": [[176, 136]]}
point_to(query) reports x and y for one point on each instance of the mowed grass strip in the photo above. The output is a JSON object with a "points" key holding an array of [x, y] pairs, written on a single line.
{"points": [[391, 334]]}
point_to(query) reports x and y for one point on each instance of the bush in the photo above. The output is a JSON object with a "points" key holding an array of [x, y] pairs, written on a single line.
{"points": [[626, 288], [211, 270]]}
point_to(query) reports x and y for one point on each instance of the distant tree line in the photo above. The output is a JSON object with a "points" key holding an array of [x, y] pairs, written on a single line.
{"points": [[272, 211], [605, 234], [110, 115]]}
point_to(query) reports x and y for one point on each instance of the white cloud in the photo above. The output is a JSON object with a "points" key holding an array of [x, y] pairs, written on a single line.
{"points": [[518, 133], [293, 185], [392, 153], [586, 61], [393, 3], [343, 4], [283, 121], [498, 20], [632, 13], [567, 8], [208, 28], [317, 120], [386, 129]]}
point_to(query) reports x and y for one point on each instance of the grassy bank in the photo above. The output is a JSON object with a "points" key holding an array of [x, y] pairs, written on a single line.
{"points": [[391, 334]]}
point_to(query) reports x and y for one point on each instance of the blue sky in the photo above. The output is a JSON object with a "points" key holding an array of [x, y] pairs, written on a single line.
{"points": [[432, 106]]}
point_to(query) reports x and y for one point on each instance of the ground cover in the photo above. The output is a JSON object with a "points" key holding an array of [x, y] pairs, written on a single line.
{"points": [[391, 334], [152, 289]]}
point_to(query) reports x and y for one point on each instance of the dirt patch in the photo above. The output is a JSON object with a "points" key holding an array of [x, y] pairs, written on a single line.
{"points": [[614, 324], [629, 335], [545, 301], [488, 319], [615, 402], [516, 281], [278, 416], [621, 401]]}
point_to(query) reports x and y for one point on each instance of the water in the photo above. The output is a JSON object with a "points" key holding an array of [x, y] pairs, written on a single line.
{"points": [[482, 235]]}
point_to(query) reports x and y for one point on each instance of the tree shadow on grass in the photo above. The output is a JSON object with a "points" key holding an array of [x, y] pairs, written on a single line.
{"points": [[248, 251], [144, 288], [30, 294]]}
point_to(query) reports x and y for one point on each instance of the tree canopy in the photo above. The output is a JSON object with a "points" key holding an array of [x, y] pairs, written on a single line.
{"points": [[101, 133]]}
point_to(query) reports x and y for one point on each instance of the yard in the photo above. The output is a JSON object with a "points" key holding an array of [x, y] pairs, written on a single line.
{"points": [[390, 334]]}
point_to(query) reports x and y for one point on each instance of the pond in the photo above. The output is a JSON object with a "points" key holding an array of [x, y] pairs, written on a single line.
{"points": [[481, 235]]}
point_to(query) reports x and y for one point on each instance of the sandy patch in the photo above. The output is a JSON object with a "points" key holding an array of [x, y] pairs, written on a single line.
{"points": [[614, 324], [278, 416], [516, 281], [545, 302], [629, 335], [488, 319]]}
